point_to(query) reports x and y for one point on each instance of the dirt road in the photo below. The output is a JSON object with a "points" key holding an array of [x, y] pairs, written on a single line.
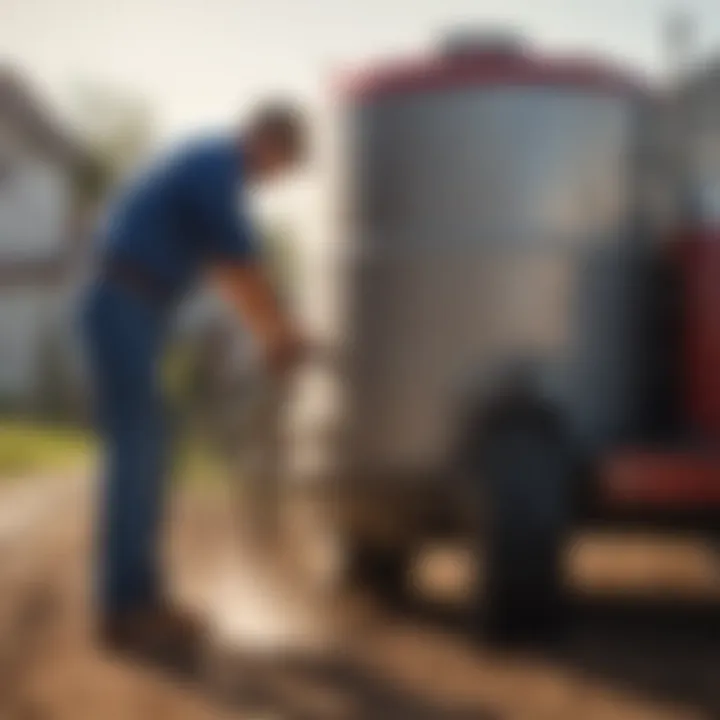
{"points": [[622, 660]]}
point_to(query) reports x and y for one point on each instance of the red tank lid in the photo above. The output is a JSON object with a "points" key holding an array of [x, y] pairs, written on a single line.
{"points": [[481, 61]]}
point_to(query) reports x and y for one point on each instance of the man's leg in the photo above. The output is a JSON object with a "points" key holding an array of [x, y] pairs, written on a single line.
{"points": [[132, 498], [124, 343], [124, 348]]}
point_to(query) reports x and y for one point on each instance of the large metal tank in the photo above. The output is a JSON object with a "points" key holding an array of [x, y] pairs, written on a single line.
{"points": [[489, 222]]}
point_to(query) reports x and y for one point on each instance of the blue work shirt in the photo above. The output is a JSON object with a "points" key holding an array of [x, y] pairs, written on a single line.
{"points": [[183, 213]]}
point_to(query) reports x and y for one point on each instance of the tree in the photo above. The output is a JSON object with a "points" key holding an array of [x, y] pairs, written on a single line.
{"points": [[117, 129], [279, 247]]}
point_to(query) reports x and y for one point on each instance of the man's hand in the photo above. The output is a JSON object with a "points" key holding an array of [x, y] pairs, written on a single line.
{"points": [[249, 291], [284, 352]]}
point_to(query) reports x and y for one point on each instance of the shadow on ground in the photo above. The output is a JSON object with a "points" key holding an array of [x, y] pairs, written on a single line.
{"points": [[659, 648], [332, 689], [654, 649]]}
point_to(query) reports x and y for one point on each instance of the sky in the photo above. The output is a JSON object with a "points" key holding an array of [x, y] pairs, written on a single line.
{"points": [[197, 62]]}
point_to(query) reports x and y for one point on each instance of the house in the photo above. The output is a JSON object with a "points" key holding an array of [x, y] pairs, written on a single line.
{"points": [[39, 240]]}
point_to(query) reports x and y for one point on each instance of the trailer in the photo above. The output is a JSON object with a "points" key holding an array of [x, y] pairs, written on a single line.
{"points": [[507, 288]]}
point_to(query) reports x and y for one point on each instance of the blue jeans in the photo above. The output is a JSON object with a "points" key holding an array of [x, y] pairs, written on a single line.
{"points": [[124, 337]]}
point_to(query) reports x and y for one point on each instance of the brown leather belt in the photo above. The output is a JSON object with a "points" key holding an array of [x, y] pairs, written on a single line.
{"points": [[140, 281]]}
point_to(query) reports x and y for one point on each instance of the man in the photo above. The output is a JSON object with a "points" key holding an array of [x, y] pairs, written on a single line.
{"points": [[182, 219]]}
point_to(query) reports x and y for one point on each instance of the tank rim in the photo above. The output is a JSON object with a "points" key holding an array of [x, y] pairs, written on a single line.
{"points": [[489, 69]]}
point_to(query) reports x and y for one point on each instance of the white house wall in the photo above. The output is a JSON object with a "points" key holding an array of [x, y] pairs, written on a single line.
{"points": [[25, 315], [35, 197]]}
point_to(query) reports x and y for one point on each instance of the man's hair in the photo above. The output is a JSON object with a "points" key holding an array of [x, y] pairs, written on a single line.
{"points": [[284, 123]]}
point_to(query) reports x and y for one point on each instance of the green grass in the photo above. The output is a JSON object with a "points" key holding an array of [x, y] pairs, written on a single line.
{"points": [[31, 448], [197, 465]]}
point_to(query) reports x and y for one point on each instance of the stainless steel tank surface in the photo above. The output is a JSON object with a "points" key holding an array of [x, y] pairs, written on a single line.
{"points": [[491, 209]]}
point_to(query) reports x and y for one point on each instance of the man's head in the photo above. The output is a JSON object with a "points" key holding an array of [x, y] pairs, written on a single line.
{"points": [[275, 140]]}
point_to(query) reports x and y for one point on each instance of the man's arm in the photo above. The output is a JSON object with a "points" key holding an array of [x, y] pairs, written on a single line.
{"points": [[247, 288], [210, 189]]}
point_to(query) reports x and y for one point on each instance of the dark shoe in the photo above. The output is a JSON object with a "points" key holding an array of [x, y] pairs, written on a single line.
{"points": [[163, 636]]}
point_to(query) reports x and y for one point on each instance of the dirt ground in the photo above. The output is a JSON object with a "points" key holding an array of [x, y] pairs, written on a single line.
{"points": [[644, 642]]}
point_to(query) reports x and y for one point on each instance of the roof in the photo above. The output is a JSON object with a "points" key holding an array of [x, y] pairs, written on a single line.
{"points": [[491, 66], [23, 109], [20, 106]]}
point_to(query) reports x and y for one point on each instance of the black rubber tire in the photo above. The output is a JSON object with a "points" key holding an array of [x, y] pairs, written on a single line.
{"points": [[380, 569], [525, 473]]}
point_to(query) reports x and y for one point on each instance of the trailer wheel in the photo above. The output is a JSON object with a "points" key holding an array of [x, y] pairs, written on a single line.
{"points": [[523, 472]]}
